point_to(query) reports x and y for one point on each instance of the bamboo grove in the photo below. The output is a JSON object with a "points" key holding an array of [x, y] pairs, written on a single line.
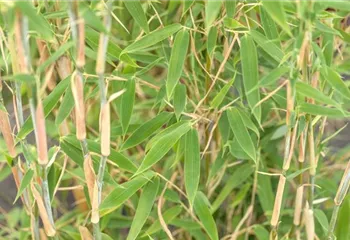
{"points": [[142, 119]]}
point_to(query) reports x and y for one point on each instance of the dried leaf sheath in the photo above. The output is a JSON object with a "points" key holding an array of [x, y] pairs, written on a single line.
{"points": [[41, 134], [49, 228], [278, 201], [78, 94], [7, 133], [105, 129]]}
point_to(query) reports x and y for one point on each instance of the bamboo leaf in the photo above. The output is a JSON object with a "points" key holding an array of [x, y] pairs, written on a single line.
{"points": [[307, 91], [202, 210], [136, 11], [179, 99], [267, 45], [146, 130], [221, 95], [168, 216], [152, 38], [276, 11], [56, 55], [49, 103], [192, 164], [66, 106], [241, 133], [241, 174], [36, 21], [273, 76], [177, 60], [230, 8], [24, 183], [212, 9], [144, 208], [249, 60], [323, 111], [127, 104], [162, 146], [334, 79], [269, 25], [124, 191]]}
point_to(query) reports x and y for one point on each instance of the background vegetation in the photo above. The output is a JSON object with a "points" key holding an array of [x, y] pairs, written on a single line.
{"points": [[175, 119]]}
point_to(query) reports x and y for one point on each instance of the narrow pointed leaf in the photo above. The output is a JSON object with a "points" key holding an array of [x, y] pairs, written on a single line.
{"points": [[241, 174], [179, 99], [127, 104], [136, 11], [146, 130], [221, 95], [276, 11], [161, 147], [177, 60], [202, 210], [144, 207], [334, 79], [192, 164], [241, 133], [123, 192], [24, 183], [49, 103], [308, 91], [152, 38], [249, 60], [212, 9], [314, 109]]}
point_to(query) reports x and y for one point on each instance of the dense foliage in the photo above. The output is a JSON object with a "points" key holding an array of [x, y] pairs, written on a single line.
{"points": [[175, 119]]}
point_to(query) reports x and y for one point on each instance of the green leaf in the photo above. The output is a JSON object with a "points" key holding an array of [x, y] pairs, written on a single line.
{"points": [[66, 106], [168, 216], [162, 146], [241, 133], [202, 210], [230, 8], [24, 183], [179, 99], [334, 79], [212, 9], [261, 233], [127, 104], [249, 60], [241, 174], [152, 38], [146, 130], [192, 166], [113, 50], [276, 11], [211, 42], [221, 95], [166, 131], [248, 122], [322, 219], [37, 22], [186, 5], [90, 18], [314, 109], [269, 25], [136, 11], [267, 45], [144, 208], [124, 191], [71, 146], [308, 91], [177, 60], [342, 232], [49, 103], [56, 55], [273, 76]]}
